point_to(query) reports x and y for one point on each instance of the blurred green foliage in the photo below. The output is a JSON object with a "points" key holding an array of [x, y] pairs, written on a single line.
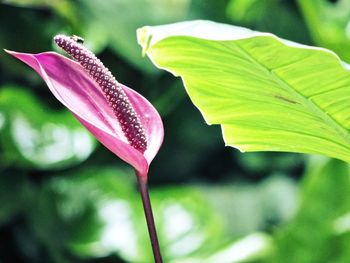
{"points": [[37, 138], [62, 199], [323, 214], [328, 24]]}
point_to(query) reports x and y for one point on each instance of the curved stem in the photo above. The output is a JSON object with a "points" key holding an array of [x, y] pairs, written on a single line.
{"points": [[143, 187]]}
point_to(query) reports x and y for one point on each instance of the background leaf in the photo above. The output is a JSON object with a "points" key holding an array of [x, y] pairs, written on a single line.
{"points": [[262, 15], [329, 24], [102, 215], [116, 29], [33, 136], [268, 94], [326, 193]]}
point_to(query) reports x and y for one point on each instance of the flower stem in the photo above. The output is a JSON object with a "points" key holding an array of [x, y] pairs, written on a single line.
{"points": [[143, 187]]}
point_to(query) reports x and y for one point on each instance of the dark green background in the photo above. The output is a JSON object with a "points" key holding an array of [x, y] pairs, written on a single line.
{"points": [[65, 198]]}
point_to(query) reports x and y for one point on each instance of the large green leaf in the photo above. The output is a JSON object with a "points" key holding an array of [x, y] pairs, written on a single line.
{"points": [[267, 93]]}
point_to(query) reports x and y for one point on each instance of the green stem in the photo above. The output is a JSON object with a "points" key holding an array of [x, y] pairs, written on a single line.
{"points": [[143, 187]]}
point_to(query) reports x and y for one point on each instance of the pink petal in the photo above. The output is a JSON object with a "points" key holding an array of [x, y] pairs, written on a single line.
{"points": [[74, 88]]}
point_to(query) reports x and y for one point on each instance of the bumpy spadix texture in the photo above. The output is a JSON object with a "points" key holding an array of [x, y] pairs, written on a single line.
{"points": [[117, 99]]}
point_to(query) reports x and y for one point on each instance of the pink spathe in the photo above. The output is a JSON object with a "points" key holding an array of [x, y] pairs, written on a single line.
{"points": [[75, 89]]}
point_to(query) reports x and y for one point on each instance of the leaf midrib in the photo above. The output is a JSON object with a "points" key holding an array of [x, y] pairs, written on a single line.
{"points": [[342, 131]]}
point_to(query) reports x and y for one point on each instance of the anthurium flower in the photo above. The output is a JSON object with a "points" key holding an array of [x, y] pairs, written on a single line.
{"points": [[119, 117]]}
